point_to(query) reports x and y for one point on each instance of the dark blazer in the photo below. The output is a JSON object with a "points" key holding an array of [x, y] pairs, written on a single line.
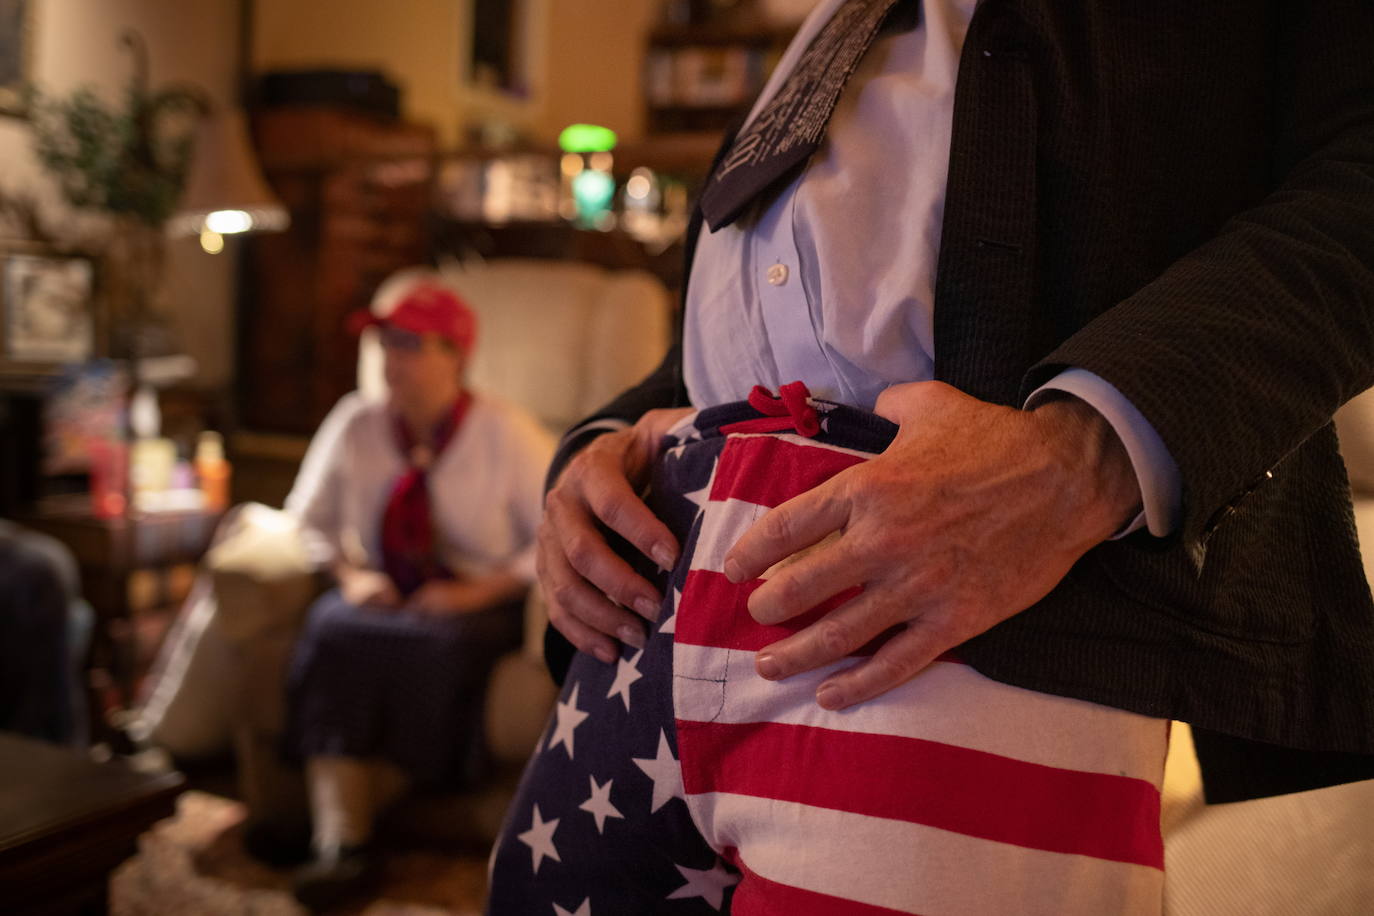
{"points": [[1179, 197]]}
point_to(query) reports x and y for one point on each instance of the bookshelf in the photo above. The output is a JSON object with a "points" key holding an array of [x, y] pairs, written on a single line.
{"points": [[699, 76]]}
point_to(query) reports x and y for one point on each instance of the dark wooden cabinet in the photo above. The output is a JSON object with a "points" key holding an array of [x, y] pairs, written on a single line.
{"points": [[359, 191]]}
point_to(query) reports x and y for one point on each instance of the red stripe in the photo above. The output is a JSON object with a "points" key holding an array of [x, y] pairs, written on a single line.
{"points": [[769, 470], [761, 425], [926, 782], [756, 895], [718, 613], [714, 611]]}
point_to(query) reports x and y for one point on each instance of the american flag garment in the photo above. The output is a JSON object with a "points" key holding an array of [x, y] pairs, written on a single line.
{"points": [[678, 781]]}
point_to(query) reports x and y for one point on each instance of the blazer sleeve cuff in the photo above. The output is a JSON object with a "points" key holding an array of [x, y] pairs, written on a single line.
{"points": [[1156, 471]]}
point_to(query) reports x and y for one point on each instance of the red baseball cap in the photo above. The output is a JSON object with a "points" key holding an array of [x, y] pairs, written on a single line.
{"points": [[426, 309]]}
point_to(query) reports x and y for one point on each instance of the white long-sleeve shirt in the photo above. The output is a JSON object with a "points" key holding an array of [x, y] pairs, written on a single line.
{"points": [[832, 281], [486, 487]]}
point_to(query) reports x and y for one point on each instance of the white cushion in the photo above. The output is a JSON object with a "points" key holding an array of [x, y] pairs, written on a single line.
{"points": [[1355, 426], [251, 595]]}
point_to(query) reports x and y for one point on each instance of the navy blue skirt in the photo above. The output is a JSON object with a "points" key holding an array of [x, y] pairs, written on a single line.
{"points": [[404, 687]]}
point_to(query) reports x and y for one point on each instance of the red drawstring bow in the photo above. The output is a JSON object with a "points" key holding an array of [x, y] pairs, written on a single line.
{"points": [[792, 409]]}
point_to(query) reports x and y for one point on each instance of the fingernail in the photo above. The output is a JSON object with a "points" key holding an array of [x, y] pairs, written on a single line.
{"points": [[631, 636], [767, 666], [663, 556], [605, 655], [647, 607], [830, 697], [732, 571]]}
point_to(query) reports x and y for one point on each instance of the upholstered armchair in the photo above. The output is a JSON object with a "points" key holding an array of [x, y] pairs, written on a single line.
{"points": [[559, 339]]}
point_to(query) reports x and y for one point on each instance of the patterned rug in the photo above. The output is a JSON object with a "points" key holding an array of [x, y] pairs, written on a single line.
{"points": [[194, 863]]}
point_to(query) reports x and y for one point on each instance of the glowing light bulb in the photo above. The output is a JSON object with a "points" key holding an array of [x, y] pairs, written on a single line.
{"points": [[226, 222]]}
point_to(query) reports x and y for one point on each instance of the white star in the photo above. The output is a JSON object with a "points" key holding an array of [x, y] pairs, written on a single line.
{"points": [[569, 717], [626, 673], [669, 624], [539, 838], [599, 803], [686, 431], [709, 885], [698, 497], [664, 771], [584, 910]]}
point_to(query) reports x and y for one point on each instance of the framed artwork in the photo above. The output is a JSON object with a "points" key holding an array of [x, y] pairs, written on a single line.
{"points": [[47, 317], [16, 43], [498, 47]]}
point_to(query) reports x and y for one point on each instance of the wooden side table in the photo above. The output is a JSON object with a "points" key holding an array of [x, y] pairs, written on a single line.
{"points": [[109, 552], [66, 822]]}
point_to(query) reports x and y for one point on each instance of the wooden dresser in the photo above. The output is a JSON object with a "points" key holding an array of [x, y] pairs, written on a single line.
{"points": [[358, 188]]}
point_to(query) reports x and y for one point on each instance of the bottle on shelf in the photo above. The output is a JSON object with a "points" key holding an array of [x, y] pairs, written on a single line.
{"points": [[213, 470]]}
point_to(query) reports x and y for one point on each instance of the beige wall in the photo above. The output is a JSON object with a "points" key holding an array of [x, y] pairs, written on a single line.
{"points": [[75, 43], [584, 66], [415, 42], [595, 58], [584, 57]]}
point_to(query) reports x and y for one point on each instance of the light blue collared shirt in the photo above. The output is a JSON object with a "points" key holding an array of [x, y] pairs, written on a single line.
{"points": [[833, 280]]}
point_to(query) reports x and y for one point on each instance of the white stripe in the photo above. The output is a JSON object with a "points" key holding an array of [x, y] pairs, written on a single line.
{"points": [[948, 702], [917, 869], [724, 523]]}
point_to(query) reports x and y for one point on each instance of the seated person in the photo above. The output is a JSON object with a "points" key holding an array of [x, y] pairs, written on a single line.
{"points": [[426, 506], [44, 626]]}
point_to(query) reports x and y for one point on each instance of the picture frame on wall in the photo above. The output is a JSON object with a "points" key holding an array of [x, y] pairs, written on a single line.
{"points": [[16, 44], [47, 313], [499, 48]]}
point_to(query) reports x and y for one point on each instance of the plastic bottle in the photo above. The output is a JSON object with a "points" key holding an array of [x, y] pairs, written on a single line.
{"points": [[213, 470]]}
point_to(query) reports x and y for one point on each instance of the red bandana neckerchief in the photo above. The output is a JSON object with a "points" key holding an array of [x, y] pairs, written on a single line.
{"points": [[409, 554]]}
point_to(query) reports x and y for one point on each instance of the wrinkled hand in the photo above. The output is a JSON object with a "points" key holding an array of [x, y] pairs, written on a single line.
{"points": [[587, 586], [368, 588], [971, 515]]}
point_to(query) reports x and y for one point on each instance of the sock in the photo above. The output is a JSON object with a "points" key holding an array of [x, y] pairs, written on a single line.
{"points": [[341, 802]]}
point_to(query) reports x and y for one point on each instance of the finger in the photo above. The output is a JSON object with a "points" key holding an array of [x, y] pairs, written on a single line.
{"points": [[897, 661], [837, 635], [786, 529], [582, 613], [894, 401], [611, 498], [592, 559], [807, 580]]}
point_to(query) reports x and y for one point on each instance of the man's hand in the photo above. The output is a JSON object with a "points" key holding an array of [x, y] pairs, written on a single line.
{"points": [[587, 586], [367, 587], [971, 515]]}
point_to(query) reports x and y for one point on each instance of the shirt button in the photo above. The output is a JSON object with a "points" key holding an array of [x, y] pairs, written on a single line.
{"points": [[777, 274]]}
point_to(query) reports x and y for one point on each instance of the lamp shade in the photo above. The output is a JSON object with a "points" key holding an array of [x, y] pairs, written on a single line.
{"points": [[225, 191]]}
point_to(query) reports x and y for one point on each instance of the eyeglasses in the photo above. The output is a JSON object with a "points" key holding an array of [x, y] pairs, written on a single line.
{"points": [[396, 339]]}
